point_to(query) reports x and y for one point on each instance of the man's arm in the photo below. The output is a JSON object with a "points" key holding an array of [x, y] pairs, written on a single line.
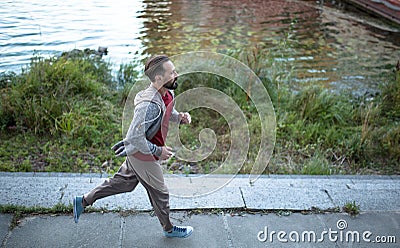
{"points": [[174, 116], [180, 117], [146, 115]]}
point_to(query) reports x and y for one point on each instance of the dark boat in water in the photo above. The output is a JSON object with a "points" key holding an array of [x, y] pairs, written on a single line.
{"points": [[390, 9]]}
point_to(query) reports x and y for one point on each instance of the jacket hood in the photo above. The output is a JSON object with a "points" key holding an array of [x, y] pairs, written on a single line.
{"points": [[150, 94]]}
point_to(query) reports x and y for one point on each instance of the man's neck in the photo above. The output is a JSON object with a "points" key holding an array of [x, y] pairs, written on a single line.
{"points": [[161, 90]]}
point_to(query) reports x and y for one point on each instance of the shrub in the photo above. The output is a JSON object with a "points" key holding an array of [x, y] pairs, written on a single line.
{"points": [[55, 95], [59, 114]]}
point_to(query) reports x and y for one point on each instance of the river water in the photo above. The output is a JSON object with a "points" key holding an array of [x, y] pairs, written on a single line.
{"points": [[330, 43]]}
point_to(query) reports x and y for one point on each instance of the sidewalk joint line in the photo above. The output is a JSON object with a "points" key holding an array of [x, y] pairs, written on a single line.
{"points": [[121, 234], [329, 196], [244, 201], [228, 230]]}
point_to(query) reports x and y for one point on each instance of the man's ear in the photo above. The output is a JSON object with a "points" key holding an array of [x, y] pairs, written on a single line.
{"points": [[158, 79]]}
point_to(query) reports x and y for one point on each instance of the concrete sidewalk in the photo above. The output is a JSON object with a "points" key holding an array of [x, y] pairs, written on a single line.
{"points": [[378, 197]]}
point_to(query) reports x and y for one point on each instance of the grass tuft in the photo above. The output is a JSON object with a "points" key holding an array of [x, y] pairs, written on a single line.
{"points": [[351, 208]]}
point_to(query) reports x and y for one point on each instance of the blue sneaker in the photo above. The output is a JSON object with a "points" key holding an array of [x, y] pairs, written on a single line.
{"points": [[78, 207], [179, 232]]}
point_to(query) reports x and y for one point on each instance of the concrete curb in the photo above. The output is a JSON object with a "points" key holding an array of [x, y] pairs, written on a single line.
{"points": [[271, 192]]}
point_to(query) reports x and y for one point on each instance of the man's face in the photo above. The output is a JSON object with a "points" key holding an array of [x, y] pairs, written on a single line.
{"points": [[170, 76]]}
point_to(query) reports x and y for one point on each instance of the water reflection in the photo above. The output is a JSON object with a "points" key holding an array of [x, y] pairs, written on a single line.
{"points": [[185, 25], [328, 43]]}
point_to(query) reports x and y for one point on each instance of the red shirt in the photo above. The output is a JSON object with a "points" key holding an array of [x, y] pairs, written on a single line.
{"points": [[159, 138]]}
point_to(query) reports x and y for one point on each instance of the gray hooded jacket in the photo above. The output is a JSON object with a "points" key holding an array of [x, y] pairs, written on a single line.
{"points": [[148, 114]]}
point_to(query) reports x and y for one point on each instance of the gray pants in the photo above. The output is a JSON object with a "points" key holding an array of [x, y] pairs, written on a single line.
{"points": [[131, 172]]}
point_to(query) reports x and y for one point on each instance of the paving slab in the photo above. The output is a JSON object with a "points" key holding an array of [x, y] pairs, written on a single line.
{"points": [[29, 191], [144, 231], [46, 191], [210, 230], [350, 229], [303, 182], [38, 191], [375, 184], [320, 230], [258, 233], [286, 198], [5, 221], [200, 185], [227, 197], [93, 230], [268, 192], [369, 200], [49, 191]]}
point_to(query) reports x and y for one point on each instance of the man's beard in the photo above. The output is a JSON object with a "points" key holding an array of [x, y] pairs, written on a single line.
{"points": [[171, 84]]}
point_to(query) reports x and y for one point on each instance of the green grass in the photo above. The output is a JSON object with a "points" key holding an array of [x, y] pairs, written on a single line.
{"points": [[318, 131], [56, 209], [59, 114], [63, 115], [351, 208]]}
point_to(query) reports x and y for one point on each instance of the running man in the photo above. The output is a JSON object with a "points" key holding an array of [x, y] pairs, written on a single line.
{"points": [[144, 147]]}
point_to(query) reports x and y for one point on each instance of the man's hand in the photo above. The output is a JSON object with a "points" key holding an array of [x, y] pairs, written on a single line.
{"points": [[166, 153], [119, 149], [185, 118]]}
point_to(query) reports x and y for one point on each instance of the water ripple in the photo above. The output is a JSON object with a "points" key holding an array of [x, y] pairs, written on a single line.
{"points": [[327, 43]]}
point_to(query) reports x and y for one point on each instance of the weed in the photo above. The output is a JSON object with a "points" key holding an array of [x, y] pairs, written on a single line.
{"points": [[351, 208]]}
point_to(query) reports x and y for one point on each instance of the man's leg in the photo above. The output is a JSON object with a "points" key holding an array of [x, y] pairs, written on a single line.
{"points": [[123, 181], [150, 175]]}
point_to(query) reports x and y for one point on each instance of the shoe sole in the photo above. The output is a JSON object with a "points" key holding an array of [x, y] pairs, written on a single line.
{"points": [[187, 235]]}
